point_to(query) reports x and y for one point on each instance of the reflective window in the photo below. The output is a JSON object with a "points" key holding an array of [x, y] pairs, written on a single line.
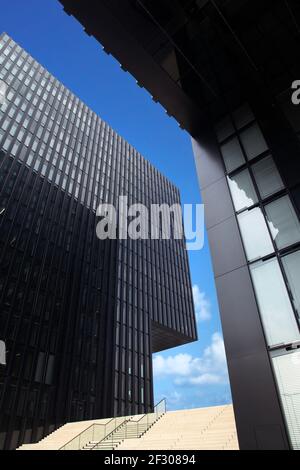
{"points": [[275, 307], [242, 190], [142, 395], [243, 116], [253, 141], [287, 371], [224, 129], [255, 234], [50, 370], [291, 265], [232, 154], [267, 177], [283, 222], [40, 367]]}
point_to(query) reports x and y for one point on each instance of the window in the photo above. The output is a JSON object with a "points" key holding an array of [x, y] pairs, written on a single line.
{"points": [[224, 129], [232, 154], [15, 149], [50, 370], [253, 141], [243, 116], [242, 190], [275, 307], [267, 177], [255, 234], [142, 396], [291, 265], [40, 367], [287, 372], [283, 222]]}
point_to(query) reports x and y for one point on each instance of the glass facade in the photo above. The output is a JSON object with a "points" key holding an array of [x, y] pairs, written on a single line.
{"points": [[283, 222], [80, 317], [242, 190], [270, 231], [291, 264], [287, 370], [275, 307], [255, 234]]}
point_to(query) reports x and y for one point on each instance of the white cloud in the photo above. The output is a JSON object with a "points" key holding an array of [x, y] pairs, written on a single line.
{"points": [[209, 368], [179, 365], [215, 353], [202, 305], [206, 379]]}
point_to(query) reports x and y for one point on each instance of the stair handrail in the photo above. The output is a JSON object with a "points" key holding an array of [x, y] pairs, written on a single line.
{"points": [[131, 420], [112, 432], [82, 432], [148, 414], [93, 425]]}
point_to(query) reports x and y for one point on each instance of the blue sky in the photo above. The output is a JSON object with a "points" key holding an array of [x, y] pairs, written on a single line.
{"points": [[190, 376]]}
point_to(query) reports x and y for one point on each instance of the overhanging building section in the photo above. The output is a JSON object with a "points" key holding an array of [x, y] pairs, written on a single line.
{"points": [[198, 57], [166, 338], [100, 19], [224, 70]]}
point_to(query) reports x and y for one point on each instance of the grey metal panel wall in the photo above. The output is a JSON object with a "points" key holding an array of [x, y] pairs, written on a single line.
{"points": [[75, 312], [254, 391]]}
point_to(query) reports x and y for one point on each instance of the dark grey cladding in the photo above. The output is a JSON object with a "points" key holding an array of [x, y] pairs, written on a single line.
{"points": [[76, 313]]}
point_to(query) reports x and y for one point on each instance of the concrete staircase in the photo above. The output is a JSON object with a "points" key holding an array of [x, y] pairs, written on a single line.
{"points": [[109, 443], [126, 431], [198, 429], [62, 435]]}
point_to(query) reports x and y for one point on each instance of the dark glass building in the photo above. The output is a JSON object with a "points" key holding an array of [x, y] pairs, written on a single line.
{"points": [[80, 316], [225, 69]]}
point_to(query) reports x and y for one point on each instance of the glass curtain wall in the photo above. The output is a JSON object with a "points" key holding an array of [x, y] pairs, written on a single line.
{"points": [[270, 230]]}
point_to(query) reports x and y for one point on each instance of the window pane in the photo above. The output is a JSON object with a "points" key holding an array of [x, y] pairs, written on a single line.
{"points": [[242, 190], [49, 371], [232, 154], [224, 129], [287, 370], [291, 265], [243, 116], [255, 234], [283, 222], [267, 177], [253, 141], [275, 307], [40, 367]]}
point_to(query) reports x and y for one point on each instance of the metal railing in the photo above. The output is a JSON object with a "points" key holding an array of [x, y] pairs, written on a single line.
{"points": [[132, 429], [115, 430], [94, 433]]}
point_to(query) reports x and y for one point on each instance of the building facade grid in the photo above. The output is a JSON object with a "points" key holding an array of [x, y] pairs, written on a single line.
{"points": [[269, 225], [77, 313]]}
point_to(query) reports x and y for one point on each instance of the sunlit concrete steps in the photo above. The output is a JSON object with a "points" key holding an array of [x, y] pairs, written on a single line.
{"points": [[63, 435], [129, 431], [200, 429], [126, 430]]}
